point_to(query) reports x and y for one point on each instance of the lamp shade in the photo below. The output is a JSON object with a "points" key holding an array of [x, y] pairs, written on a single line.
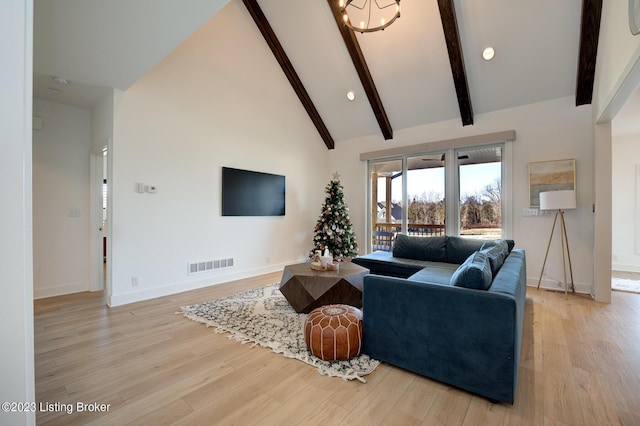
{"points": [[558, 200]]}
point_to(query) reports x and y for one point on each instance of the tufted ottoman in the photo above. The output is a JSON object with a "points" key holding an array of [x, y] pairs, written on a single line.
{"points": [[334, 332]]}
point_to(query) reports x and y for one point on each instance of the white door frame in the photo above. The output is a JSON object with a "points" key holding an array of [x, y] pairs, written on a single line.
{"points": [[96, 170], [624, 88]]}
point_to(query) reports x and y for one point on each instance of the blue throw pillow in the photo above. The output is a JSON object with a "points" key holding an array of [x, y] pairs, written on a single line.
{"points": [[459, 248], [474, 273], [496, 254]]}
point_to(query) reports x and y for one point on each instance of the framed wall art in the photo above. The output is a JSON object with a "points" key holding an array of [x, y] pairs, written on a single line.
{"points": [[554, 175]]}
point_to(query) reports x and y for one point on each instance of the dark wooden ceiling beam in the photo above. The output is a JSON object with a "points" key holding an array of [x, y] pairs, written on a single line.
{"points": [[454, 47], [282, 58], [353, 47], [589, 34]]}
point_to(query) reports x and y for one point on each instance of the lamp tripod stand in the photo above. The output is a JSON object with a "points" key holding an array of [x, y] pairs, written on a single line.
{"points": [[565, 242]]}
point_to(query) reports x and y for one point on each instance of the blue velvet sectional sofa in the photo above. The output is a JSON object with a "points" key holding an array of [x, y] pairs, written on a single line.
{"points": [[428, 308]]}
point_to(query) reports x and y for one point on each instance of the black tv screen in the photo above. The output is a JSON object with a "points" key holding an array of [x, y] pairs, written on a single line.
{"points": [[247, 193]]}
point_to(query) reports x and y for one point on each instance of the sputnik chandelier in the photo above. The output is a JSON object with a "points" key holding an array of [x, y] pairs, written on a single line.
{"points": [[367, 16]]}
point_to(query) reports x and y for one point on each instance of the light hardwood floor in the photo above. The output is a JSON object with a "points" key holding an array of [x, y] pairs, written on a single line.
{"points": [[580, 364]]}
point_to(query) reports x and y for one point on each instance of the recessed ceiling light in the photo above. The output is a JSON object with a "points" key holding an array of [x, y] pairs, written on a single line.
{"points": [[350, 95], [61, 80], [488, 53]]}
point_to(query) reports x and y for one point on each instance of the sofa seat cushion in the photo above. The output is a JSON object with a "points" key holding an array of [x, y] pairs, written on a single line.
{"points": [[474, 273], [421, 248], [438, 273], [383, 263]]}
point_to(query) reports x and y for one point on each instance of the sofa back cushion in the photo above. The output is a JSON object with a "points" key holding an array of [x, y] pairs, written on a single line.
{"points": [[460, 248], [474, 273], [421, 248]]}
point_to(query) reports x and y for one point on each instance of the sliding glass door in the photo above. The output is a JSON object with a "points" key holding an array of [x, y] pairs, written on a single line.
{"points": [[426, 195], [450, 192], [386, 195], [480, 177]]}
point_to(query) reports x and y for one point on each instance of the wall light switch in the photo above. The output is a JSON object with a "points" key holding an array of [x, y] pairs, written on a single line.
{"points": [[140, 187]]}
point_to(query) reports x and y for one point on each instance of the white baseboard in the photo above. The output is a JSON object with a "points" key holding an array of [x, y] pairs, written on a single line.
{"points": [[152, 293], [554, 285], [67, 288], [625, 268], [141, 295]]}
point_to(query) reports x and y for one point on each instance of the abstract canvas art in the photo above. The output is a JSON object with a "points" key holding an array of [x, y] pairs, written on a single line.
{"points": [[550, 176]]}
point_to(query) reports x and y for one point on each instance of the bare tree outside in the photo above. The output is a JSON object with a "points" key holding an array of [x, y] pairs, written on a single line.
{"points": [[427, 209], [482, 212]]}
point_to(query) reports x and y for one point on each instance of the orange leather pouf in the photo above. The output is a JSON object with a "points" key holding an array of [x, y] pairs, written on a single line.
{"points": [[334, 332]]}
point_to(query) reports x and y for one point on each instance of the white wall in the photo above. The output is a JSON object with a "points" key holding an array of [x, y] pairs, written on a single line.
{"points": [[624, 193], [60, 189], [618, 50], [545, 131], [16, 303], [102, 121], [616, 79], [175, 128]]}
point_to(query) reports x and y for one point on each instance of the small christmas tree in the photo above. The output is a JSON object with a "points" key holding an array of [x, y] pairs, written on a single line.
{"points": [[333, 230]]}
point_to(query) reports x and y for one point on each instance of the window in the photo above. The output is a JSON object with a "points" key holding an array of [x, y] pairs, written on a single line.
{"points": [[450, 192]]}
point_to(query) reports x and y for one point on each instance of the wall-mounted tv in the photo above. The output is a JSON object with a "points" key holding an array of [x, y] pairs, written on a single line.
{"points": [[248, 193]]}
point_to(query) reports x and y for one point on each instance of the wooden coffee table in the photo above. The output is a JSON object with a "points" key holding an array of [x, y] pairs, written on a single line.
{"points": [[307, 289]]}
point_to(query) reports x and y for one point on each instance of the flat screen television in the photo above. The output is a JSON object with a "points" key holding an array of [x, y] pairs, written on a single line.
{"points": [[248, 193]]}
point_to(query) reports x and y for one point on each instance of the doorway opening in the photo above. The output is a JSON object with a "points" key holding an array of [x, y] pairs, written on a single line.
{"points": [[625, 197], [103, 225], [100, 220]]}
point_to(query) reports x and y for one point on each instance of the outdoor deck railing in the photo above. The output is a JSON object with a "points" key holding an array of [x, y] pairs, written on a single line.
{"points": [[417, 229]]}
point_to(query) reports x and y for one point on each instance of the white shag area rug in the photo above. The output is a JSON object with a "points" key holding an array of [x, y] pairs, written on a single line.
{"points": [[262, 316], [623, 284]]}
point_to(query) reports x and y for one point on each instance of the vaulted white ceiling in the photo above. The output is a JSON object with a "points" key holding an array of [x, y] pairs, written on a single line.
{"points": [[106, 44], [99, 44]]}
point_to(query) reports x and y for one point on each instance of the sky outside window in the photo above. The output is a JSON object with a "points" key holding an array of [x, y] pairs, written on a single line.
{"points": [[474, 179]]}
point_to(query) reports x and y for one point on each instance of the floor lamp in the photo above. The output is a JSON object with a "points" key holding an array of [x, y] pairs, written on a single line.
{"points": [[559, 201]]}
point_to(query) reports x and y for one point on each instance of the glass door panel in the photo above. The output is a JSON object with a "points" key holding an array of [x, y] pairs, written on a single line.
{"points": [[426, 195], [480, 179], [386, 206]]}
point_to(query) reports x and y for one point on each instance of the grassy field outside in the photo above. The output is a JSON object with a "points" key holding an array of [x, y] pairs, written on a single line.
{"points": [[482, 233]]}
